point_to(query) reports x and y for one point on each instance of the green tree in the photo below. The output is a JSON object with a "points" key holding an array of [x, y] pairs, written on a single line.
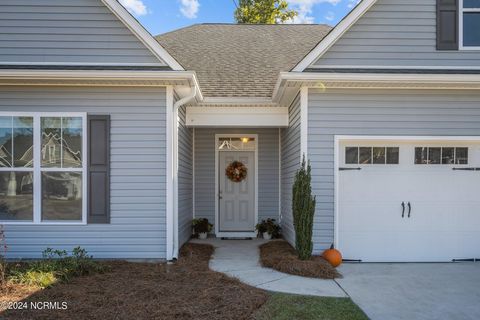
{"points": [[263, 11], [303, 209]]}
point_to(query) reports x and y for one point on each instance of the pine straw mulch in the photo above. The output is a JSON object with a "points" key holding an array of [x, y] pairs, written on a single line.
{"points": [[279, 255], [184, 290]]}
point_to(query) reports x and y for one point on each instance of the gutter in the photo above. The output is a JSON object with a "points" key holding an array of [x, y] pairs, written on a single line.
{"points": [[194, 92]]}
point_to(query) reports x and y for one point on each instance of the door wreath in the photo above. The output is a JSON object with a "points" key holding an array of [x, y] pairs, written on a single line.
{"points": [[236, 171]]}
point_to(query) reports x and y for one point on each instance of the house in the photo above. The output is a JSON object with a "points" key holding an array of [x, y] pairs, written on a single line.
{"points": [[385, 106]]}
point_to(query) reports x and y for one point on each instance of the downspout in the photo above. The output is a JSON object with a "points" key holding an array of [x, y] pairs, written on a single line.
{"points": [[177, 105]]}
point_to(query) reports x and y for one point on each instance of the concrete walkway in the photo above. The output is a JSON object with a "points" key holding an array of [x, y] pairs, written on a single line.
{"points": [[240, 259]]}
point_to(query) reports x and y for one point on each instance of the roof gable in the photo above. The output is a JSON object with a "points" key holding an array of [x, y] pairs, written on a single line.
{"points": [[76, 32], [142, 34], [326, 43]]}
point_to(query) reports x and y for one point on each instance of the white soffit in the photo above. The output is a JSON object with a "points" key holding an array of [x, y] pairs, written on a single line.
{"points": [[241, 117]]}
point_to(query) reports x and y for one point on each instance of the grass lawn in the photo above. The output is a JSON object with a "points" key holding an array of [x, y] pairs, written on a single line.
{"points": [[187, 289], [290, 307]]}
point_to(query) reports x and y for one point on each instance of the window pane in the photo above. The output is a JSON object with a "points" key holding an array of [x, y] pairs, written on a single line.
{"points": [[461, 156], [236, 143], [16, 196], [393, 155], [23, 141], [51, 142], [379, 155], [365, 155], [471, 3], [448, 155], [434, 155], [421, 155], [471, 29], [72, 142], [351, 155], [5, 141], [61, 196]]}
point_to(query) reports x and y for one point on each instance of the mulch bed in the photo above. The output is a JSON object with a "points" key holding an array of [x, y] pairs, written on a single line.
{"points": [[280, 255], [184, 290]]}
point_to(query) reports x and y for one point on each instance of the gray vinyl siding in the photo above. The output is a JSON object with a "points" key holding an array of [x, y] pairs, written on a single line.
{"points": [[360, 112], [395, 33], [66, 31], [138, 172], [268, 168], [185, 181], [291, 157]]}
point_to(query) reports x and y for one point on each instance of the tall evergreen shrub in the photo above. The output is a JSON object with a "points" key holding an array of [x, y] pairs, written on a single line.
{"points": [[303, 208]]}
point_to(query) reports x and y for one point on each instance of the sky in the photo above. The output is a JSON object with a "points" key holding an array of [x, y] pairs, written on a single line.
{"points": [[160, 16]]}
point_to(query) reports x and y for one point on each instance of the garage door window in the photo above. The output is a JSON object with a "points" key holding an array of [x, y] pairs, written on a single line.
{"points": [[441, 155], [372, 155]]}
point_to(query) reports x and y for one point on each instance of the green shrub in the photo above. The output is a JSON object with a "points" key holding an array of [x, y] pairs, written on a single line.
{"points": [[303, 209], [56, 265]]}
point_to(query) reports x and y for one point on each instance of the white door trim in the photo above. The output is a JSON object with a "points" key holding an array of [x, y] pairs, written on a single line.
{"points": [[337, 157], [217, 211]]}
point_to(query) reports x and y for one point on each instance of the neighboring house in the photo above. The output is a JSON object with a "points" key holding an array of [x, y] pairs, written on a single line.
{"points": [[386, 107]]}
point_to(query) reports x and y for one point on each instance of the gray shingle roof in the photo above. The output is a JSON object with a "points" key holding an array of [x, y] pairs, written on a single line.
{"points": [[241, 60]]}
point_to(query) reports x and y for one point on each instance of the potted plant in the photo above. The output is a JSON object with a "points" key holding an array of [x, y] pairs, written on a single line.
{"points": [[268, 229], [201, 227]]}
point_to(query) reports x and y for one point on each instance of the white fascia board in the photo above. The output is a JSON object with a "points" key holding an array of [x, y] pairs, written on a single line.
{"points": [[385, 67], [295, 80], [142, 34], [98, 75], [334, 35], [237, 117], [379, 77]]}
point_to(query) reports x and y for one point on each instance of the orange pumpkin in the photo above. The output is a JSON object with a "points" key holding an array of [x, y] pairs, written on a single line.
{"points": [[333, 256]]}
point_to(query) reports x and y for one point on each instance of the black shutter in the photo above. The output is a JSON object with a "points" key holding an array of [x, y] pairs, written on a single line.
{"points": [[98, 169], [447, 24]]}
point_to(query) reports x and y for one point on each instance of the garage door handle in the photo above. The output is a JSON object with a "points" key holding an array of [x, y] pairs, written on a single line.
{"points": [[349, 169], [466, 169], [409, 209], [403, 209]]}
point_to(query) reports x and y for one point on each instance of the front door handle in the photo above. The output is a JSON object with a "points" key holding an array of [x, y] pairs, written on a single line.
{"points": [[409, 209], [220, 195], [403, 209]]}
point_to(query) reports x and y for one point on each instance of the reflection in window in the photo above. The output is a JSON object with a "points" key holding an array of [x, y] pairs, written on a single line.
{"points": [[16, 196], [61, 142], [226, 144], [365, 155], [16, 142], [379, 155], [61, 196], [441, 155], [448, 156], [434, 155], [372, 155], [461, 155], [351, 155], [471, 23]]}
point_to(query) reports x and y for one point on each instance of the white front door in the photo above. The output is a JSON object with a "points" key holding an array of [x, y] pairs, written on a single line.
{"points": [[236, 199], [422, 206]]}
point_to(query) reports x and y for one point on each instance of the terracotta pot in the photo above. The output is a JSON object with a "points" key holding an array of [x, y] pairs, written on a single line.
{"points": [[267, 236], [202, 235]]}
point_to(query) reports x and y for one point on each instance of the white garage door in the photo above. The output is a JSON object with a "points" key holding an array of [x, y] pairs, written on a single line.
{"points": [[408, 201]]}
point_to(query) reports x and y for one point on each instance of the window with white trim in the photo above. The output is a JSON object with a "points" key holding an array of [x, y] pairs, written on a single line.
{"points": [[470, 24], [372, 155], [441, 155], [42, 168]]}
